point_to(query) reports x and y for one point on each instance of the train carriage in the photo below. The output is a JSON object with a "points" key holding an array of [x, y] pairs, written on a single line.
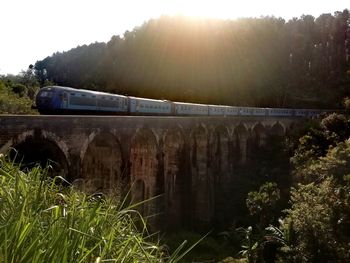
{"points": [[280, 112], [56, 99], [259, 111], [217, 110], [182, 108], [232, 111], [246, 111], [149, 106]]}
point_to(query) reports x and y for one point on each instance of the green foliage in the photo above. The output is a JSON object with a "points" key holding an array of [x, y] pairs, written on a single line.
{"points": [[336, 127], [17, 92], [263, 202], [250, 245], [19, 89], [13, 103], [320, 208], [336, 164], [333, 129], [346, 103], [321, 220], [284, 239], [311, 146], [210, 248], [42, 221], [316, 226]]}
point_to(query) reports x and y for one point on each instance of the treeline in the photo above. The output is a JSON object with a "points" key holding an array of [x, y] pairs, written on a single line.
{"points": [[303, 62], [17, 92]]}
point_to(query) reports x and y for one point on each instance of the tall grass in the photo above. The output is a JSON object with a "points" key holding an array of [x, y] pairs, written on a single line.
{"points": [[42, 221]]}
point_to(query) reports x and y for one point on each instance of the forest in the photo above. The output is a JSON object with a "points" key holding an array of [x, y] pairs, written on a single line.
{"points": [[264, 62]]}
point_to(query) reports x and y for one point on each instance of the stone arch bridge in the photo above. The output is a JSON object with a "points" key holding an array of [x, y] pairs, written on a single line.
{"points": [[182, 158]]}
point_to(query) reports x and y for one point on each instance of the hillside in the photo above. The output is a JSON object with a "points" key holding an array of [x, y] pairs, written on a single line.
{"points": [[267, 61]]}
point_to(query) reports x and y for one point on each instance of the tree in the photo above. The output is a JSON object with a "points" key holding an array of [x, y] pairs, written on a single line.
{"points": [[321, 221], [265, 61], [263, 202], [320, 208], [19, 89]]}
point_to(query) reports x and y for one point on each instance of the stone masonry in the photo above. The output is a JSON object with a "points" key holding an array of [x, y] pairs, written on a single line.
{"points": [[182, 159]]}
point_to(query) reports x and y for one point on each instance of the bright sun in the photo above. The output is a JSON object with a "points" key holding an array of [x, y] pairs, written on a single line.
{"points": [[210, 9]]}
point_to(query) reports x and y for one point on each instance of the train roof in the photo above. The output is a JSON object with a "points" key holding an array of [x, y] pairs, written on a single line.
{"points": [[82, 90], [188, 103], [146, 99]]}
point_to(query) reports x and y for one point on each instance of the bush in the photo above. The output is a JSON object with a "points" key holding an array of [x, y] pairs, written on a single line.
{"points": [[346, 103], [320, 216], [337, 126], [263, 202], [320, 209], [335, 164], [11, 103], [19, 89]]}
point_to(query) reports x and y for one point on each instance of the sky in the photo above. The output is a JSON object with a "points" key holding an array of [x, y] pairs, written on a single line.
{"points": [[31, 30]]}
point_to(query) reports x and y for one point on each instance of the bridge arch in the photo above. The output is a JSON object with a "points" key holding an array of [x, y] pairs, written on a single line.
{"points": [[102, 164], [40, 147], [174, 170], [144, 166], [278, 129], [259, 134]]}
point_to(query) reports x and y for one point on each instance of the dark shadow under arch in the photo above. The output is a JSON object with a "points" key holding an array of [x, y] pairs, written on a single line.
{"points": [[39, 150]]}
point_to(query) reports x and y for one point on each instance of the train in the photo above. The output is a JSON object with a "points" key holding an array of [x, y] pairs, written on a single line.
{"points": [[66, 100]]}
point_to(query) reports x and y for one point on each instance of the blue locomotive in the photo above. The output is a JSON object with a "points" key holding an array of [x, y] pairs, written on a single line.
{"points": [[64, 100]]}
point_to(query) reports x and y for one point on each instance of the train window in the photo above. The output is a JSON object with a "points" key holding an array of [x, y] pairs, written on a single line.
{"points": [[45, 94], [72, 94]]}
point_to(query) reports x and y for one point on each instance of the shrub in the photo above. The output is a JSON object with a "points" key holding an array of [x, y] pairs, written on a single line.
{"points": [[320, 216], [320, 209], [19, 89], [263, 202], [11, 103]]}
